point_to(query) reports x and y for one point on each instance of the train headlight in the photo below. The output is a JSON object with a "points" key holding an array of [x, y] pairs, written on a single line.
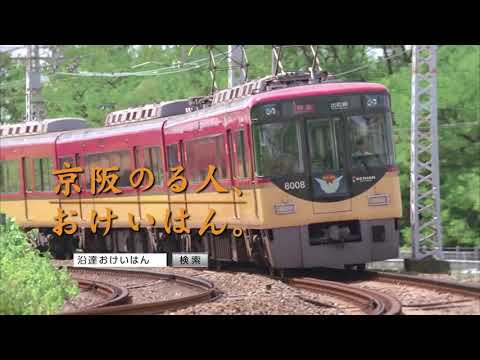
{"points": [[378, 200], [284, 208]]}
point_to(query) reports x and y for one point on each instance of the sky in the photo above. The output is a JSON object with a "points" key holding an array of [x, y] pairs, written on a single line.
{"points": [[19, 52]]}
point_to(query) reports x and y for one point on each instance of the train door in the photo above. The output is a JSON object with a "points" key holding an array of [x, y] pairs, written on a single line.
{"points": [[89, 162], [329, 179], [233, 176], [27, 168], [242, 176], [72, 202], [252, 200], [153, 201], [138, 161], [175, 157]]}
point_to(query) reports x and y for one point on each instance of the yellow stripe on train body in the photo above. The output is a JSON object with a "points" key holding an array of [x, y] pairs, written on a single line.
{"points": [[259, 214]]}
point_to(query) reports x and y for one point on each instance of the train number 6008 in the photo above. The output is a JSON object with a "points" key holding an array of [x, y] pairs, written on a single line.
{"points": [[294, 185]]}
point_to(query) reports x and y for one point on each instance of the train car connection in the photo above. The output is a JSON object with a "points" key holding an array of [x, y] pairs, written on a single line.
{"points": [[314, 162]]}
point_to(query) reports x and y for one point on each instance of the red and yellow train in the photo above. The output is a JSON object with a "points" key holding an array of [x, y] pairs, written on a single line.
{"points": [[314, 162]]}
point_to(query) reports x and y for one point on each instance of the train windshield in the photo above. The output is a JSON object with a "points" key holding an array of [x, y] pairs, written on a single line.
{"points": [[325, 144], [278, 149], [322, 135], [368, 136]]}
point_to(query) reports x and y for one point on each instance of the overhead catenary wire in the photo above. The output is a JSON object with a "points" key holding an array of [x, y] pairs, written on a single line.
{"points": [[172, 69], [366, 66], [193, 65]]}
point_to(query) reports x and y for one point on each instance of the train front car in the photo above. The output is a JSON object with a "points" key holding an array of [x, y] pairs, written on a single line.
{"points": [[327, 182]]}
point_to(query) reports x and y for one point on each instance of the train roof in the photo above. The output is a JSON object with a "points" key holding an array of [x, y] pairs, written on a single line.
{"points": [[325, 88], [278, 95], [332, 88]]}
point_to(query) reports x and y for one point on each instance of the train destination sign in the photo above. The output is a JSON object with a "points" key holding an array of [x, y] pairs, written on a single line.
{"points": [[339, 105], [303, 108], [285, 110]]}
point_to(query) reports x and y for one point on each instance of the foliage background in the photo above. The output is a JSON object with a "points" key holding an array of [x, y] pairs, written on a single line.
{"points": [[458, 90], [29, 284]]}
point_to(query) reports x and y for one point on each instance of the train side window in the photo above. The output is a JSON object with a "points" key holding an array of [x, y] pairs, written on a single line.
{"points": [[128, 117], [9, 176], [43, 175], [149, 113], [91, 162], [3, 186], [197, 167], [138, 159], [63, 160], [172, 156], [232, 153], [121, 159], [219, 157], [29, 175], [71, 161], [241, 167], [204, 152], [96, 161], [153, 161], [48, 179]]}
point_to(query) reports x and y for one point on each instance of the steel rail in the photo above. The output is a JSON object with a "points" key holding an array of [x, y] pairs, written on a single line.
{"points": [[370, 302], [472, 292], [208, 293], [434, 284], [114, 295]]}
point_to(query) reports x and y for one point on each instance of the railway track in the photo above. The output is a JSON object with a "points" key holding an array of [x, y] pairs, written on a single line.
{"points": [[116, 296], [364, 292], [369, 302], [444, 285], [111, 295], [412, 294], [434, 294], [451, 295]]}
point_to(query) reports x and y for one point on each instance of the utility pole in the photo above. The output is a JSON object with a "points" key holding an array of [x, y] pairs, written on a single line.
{"points": [[34, 101], [425, 185], [237, 65], [2, 73]]}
